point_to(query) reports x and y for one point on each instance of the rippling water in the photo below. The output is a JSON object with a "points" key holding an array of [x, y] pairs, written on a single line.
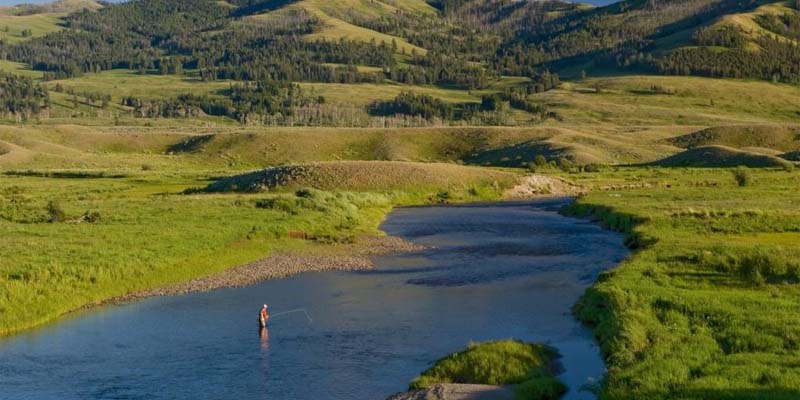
{"points": [[498, 271]]}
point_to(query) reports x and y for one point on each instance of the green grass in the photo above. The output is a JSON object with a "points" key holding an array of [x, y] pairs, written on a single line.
{"points": [[149, 234], [19, 69], [122, 83], [366, 93], [706, 308], [529, 367], [628, 100], [39, 25]]}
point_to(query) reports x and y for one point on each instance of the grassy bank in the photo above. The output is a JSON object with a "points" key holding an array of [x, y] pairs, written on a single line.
{"points": [[71, 239], [706, 308], [530, 368]]}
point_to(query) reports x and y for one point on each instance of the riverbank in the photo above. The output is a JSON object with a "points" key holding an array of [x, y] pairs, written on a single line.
{"points": [[78, 239], [684, 316], [343, 257]]}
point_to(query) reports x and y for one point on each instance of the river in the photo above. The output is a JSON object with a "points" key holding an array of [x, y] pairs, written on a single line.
{"points": [[495, 271]]}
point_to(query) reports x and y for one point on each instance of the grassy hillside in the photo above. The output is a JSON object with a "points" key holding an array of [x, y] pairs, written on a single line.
{"points": [[722, 156], [35, 25], [364, 176], [335, 28], [776, 137], [214, 146]]}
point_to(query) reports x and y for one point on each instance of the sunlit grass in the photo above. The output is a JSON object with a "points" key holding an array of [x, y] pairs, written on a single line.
{"points": [[149, 234], [707, 307], [530, 368]]}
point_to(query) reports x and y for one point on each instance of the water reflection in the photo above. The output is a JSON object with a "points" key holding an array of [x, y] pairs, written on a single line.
{"points": [[263, 335]]}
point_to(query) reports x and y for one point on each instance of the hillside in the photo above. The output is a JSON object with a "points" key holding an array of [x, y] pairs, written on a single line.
{"points": [[721, 157], [407, 63]]}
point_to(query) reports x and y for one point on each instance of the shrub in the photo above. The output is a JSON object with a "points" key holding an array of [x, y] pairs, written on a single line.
{"points": [[742, 176], [54, 212], [443, 197], [591, 168], [92, 217], [565, 164], [540, 160]]}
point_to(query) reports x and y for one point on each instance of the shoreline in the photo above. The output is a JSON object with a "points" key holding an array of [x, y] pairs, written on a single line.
{"points": [[357, 256]]}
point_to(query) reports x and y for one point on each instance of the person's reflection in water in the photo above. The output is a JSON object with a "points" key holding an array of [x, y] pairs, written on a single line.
{"points": [[263, 334]]}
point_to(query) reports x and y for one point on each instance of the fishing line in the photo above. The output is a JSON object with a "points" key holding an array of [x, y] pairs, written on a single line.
{"points": [[302, 310]]}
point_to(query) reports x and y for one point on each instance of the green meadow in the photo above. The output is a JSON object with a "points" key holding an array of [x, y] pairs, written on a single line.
{"points": [[706, 306]]}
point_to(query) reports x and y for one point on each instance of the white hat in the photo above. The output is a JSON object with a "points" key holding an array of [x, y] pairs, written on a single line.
{"points": [[265, 306]]}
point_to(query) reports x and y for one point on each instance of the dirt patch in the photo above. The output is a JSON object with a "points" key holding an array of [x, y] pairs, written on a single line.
{"points": [[350, 257], [533, 186], [453, 391]]}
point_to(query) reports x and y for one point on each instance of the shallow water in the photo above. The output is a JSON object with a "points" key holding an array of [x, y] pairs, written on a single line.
{"points": [[498, 271]]}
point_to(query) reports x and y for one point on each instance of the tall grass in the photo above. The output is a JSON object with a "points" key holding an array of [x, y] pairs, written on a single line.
{"points": [[529, 367], [707, 307]]}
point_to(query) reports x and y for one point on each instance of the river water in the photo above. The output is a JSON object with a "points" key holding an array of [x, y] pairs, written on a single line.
{"points": [[507, 270]]}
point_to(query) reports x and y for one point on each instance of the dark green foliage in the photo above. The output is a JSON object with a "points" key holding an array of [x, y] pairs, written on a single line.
{"points": [[776, 60], [21, 96], [726, 36], [245, 101], [784, 24], [470, 43], [412, 104], [743, 176], [91, 217]]}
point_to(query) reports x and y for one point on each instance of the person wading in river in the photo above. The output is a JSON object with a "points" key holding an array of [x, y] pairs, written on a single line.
{"points": [[263, 316]]}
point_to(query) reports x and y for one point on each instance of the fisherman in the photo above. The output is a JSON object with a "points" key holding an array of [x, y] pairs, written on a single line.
{"points": [[263, 316]]}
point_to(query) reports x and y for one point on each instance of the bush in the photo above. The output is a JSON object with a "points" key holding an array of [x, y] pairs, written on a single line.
{"points": [[742, 176], [565, 164], [540, 160], [54, 212], [591, 168], [92, 217]]}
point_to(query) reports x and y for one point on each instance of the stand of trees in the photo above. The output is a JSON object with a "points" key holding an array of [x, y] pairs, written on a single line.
{"points": [[21, 97], [245, 101]]}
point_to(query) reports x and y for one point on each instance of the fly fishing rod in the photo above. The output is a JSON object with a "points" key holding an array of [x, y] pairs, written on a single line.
{"points": [[302, 310]]}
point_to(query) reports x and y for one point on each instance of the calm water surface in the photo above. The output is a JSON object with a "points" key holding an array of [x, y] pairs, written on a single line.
{"points": [[498, 271]]}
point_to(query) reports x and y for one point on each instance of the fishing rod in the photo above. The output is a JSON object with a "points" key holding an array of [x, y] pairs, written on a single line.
{"points": [[302, 310]]}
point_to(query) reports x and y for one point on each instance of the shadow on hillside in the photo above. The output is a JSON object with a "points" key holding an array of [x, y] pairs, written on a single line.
{"points": [[190, 145], [514, 155]]}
